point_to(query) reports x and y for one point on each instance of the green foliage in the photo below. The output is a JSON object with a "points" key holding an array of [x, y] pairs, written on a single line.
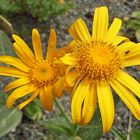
{"points": [[135, 135], [40, 9], [62, 129], [9, 6], [117, 134], [58, 124], [134, 24], [9, 118], [5, 44], [33, 111], [93, 131]]}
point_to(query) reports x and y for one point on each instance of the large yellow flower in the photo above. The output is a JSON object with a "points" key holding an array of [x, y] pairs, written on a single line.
{"points": [[96, 65], [36, 75]]}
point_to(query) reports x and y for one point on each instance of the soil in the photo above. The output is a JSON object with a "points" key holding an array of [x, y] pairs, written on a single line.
{"points": [[28, 130]]}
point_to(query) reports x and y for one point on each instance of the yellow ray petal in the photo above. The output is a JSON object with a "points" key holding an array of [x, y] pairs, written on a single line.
{"points": [[14, 62], [82, 30], [68, 59], [28, 88], [71, 76], [17, 93], [47, 98], [42, 98], [66, 49], [10, 71], [58, 88], [23, 47], [119, 39], [133, 61], [106, 105], [16, 83], [23, 56], [37, 45], [73, 32], [126, 48], [100, 22], [35, 94], [51, 45], [127, 98], [113, 30], [129, 82], [133, 52], [89, 105], [78, 97]]}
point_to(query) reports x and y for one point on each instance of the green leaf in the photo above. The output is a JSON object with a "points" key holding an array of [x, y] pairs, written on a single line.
{"points": [[59, 125], [137, 34], [9, 119], [118, 135], [3, 97], [135, 135], [136, 14], [5, 44], [93, 131], [33, 111]]}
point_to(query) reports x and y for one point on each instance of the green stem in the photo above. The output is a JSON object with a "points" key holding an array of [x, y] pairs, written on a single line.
{"points": [[62, 110]]}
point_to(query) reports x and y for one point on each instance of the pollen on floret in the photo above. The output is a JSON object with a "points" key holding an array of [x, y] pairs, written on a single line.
{"points": [[43, 74], [97, 60]]}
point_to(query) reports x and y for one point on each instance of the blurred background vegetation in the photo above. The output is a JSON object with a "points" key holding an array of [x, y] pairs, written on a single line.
{"points": [[33, 123]]}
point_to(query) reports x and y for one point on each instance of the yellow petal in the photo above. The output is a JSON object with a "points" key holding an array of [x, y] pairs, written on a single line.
{"points": [[100, 22], [16, 83], [17, 93], [37, 45], [127, 98], [20, 106], [68, 59], [47, 98], [14, 62], [28, 88], [23, 47], [51, 45], [106, 105], [66, 49], [89, 105], [133, 61], [78, 97], [10, 71], [71, 76], [58, 88], [133, 52], [23, 56], [82, 30], [129, 82], [73, 32], [118, 40], [113, 30], [126, 48]]}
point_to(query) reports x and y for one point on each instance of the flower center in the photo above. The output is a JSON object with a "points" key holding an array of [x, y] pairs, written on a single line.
{"points": [[97, 60], [43, 74]]}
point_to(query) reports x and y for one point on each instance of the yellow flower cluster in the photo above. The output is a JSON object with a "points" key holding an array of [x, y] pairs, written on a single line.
{"points": [[90, 67]]}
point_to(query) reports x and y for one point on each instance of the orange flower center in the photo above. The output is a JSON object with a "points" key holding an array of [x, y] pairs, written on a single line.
{"points": [[97, 60], [43, 74]]}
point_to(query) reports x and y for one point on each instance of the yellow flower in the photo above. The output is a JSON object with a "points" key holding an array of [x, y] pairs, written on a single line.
{"points": [[36, 76], [96, 65]]}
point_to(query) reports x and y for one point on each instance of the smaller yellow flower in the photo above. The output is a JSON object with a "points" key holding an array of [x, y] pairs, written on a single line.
{"points": [[96, 65], [36, 76]]}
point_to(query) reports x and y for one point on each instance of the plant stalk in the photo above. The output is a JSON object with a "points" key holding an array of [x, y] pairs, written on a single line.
{"points": [[62, 110]]}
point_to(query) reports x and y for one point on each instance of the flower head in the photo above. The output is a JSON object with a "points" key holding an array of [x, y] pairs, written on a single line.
{"points": [[36, 76], [96, 65]]}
